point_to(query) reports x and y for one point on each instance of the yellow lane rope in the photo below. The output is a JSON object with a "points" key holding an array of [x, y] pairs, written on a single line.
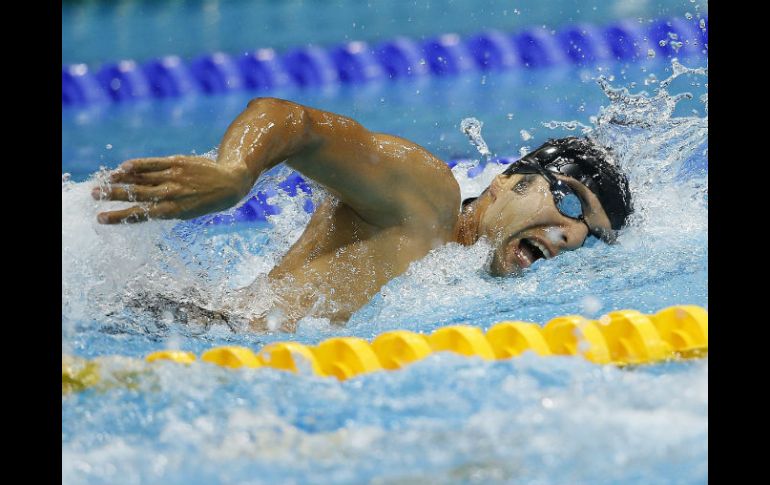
{"points": [[624, 337]]}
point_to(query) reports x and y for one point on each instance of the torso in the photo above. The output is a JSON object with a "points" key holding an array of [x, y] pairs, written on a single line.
{"points": [[340, 262], [392, 202]]}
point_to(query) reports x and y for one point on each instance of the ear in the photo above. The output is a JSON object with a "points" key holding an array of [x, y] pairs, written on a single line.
{"points": [[496, 186], [500, 184]]}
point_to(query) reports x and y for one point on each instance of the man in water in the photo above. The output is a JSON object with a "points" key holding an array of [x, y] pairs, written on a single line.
{"points": [[392, 202]]}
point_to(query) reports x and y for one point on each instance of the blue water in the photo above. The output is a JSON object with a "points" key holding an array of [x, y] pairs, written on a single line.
{"points": [[427, 111], [95, 32], [447, 419]]}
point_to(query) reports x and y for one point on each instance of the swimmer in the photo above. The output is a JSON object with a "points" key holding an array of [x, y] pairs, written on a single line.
{"points": [[391, 202]]}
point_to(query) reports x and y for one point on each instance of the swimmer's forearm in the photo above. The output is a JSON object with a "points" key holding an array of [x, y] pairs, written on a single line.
{"points": [[387, 180], [265, 134], [268, 132]]}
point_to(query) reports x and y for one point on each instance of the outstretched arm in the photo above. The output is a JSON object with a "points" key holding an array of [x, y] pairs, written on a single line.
{"points": [[387, 180]]}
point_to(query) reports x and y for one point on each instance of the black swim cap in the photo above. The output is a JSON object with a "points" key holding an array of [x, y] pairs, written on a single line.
{"points": [[590, 164]]}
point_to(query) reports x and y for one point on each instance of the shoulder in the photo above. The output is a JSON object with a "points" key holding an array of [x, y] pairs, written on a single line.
{"points": [[430, 177]]}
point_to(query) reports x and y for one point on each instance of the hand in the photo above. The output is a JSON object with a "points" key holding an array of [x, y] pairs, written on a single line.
{"points": [[176, 187]]}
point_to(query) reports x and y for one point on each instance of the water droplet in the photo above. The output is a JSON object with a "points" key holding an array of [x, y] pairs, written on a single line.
{"points": [[663, 43], [688, 16], [525, 135], [109, 146], [471, 127], [509, 116], [275, 318], [590, 305], [650, 53]]}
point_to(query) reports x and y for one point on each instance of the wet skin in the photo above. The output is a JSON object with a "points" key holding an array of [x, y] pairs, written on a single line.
{"points": [[392, 202]]}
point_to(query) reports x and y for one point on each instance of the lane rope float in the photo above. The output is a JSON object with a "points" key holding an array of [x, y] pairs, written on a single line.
{"points": [[357, 62], [622, 338]]}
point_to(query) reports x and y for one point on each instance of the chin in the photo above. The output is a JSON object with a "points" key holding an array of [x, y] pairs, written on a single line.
{"points": [[500, 270]]}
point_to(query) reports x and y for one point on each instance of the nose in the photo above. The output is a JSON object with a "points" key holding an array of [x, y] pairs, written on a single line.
{"points": [[575, 235], [569, 236]]}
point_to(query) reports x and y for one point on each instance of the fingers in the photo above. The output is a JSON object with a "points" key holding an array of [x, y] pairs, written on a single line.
{"points": [[135, 193], [132, 214], [136, 214], [140, 165], [142, 178]]}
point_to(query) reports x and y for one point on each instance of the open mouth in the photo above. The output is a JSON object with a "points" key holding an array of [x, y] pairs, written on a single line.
{"points": [[532, 250], [519, 254]]}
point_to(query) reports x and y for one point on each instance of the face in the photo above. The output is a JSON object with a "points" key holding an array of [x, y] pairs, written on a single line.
{"points": [[524, 225]]}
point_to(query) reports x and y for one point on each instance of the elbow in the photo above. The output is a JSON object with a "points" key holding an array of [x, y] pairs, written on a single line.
{"points": [[273, 105], [264, 101], [291, 119], [280, 109]]}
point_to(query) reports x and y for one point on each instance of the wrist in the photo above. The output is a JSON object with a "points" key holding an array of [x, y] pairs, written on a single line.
{"points": [[243, 180], [242, 176]]}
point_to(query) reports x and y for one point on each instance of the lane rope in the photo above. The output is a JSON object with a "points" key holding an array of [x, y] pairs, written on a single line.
{"points": [[621, 338], [265, 70]]}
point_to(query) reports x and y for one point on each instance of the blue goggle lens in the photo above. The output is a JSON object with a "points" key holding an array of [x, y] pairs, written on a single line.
{"points": [[569, 205], [567, 201]]}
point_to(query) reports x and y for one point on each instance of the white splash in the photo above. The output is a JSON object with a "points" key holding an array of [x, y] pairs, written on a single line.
{"points": [[471, 127]]}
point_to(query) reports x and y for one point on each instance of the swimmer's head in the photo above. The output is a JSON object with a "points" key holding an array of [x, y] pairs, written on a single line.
{"points": [[551, 201]]}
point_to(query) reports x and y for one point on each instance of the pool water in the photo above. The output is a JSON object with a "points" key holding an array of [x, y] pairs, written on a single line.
{"points": [[446, 419], [96, 32]]}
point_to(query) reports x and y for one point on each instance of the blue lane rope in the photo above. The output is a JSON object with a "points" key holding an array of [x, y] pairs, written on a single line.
{"points": [[357, 62]]}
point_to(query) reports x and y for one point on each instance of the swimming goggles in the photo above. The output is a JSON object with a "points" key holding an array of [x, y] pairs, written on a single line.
{"points": [[568, 203]]}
